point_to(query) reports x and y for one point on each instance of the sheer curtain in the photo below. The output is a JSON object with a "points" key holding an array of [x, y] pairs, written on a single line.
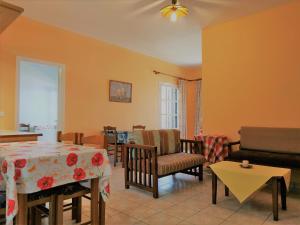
{"points": [[182, 104], [198, 116]]}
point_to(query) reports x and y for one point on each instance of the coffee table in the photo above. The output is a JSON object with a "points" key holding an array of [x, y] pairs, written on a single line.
{"points": [[244, 182]]}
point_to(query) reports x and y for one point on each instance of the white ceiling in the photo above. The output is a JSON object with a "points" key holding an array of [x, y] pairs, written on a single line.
{"points": [[137, 24]]}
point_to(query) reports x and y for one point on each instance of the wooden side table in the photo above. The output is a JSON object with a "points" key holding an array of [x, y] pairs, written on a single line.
{"points": [[276, 183]]}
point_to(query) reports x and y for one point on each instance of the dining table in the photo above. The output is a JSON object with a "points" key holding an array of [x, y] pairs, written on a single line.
{"points": [[18, 136], [29, 167]]}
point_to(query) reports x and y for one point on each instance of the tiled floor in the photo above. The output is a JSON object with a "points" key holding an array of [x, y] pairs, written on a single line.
{"points": [[185, 201]]}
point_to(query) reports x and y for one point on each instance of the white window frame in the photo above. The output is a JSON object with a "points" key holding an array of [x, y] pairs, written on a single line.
{"points": [[167, 113]]}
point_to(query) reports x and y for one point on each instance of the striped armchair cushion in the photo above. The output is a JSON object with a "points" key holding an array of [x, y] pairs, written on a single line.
{"points": [[168, 164], [147, 137], [170, 141], [176, 162]]}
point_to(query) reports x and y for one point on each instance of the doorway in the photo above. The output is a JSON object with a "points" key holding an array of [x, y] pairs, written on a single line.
{"points": [[40, 97]]}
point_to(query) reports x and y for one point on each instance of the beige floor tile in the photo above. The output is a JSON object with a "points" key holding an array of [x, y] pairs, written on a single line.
{"points": [[141, 212], [186, 201], [180, 211], [217, 211], [202, 219], [162, 219], [120, 219]]}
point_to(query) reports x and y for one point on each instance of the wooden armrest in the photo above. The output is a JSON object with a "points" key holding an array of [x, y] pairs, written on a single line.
{"points": [[229, 146], [138, 155], [191, 146]]}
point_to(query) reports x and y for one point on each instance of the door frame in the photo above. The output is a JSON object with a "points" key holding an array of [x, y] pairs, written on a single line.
{"points": [[61, 89]]}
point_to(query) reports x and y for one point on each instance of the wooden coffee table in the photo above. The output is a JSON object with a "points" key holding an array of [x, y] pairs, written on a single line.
{"points": [[232, 175]]}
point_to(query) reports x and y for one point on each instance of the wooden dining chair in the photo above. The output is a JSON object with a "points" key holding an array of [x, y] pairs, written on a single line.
{"points": [[138, 127], [75, 205], [76, 192], [111, 142], [2, 207], [24, 127], [71, 137], [92, 140]]}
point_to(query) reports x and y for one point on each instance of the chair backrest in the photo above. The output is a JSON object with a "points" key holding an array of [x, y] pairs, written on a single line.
{"points": [[24, 127], [138, 127], [93, 140], [166, 141], [110, 135], [71, 137]]}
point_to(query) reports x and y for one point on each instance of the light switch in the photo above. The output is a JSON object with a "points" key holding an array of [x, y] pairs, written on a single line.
{"points": [[2, 114]]}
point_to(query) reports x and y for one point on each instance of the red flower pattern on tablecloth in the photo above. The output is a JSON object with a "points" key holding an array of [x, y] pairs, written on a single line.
{"points": [[11, 207], [72, 159], [107, 188], [4, 166], [20, 163], [47, 168], [97, 159], [45, 183], [79, 174], [18, 174]]}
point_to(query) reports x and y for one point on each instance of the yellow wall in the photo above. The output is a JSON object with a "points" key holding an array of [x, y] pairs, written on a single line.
{"points": [[90, 64], [251, 71]]}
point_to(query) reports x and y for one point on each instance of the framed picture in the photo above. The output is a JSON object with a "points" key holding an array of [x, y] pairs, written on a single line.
{"points": [[120, 91]]}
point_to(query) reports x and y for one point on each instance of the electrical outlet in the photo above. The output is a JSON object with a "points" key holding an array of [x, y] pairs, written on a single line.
{"points": [[2, 114]]}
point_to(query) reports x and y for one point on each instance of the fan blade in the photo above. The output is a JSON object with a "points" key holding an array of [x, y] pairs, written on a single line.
{"points": [[149, 7]]}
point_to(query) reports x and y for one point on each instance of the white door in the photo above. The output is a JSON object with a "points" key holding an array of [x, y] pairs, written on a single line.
{"points": [[39, 85]]}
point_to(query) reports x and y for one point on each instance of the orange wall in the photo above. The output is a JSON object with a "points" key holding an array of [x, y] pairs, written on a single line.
{"points": [[251, 71], [90, 64]]}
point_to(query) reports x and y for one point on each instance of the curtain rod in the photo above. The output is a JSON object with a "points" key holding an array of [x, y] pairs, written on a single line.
{"points": [[170, 75]]}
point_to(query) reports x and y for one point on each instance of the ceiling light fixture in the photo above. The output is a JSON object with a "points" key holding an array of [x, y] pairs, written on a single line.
{"points": [[174, 11]]}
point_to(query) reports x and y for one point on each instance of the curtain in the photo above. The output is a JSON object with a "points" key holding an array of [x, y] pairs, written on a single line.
{"points": [[198, 116], [182, 104]]}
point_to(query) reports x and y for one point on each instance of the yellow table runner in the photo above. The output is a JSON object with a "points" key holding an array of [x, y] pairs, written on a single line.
{"points": [[244, 182]]}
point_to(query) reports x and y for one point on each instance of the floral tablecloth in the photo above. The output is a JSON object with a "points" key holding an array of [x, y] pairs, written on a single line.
{"points": [[214, 150], [28, 167]]}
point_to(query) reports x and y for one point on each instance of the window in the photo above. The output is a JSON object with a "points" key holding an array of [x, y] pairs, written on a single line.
{"points": [[168, 106]]}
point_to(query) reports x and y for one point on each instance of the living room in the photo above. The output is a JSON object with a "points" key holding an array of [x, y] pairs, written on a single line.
{"points": [[220, 72]]}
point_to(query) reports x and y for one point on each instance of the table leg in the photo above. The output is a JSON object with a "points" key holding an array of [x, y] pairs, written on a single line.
{"points": [[76, 209], [275, 198], [214, 187], [123, 154], [226, 191], [94, 201], [22, 214], [283, 193], [101, 210]]}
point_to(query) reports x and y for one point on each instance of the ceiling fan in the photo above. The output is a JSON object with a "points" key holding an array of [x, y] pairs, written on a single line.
{"points": [[174, 11]]}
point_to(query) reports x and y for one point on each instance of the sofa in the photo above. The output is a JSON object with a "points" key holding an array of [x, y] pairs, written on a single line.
{"points": [[158, 153], [268, 146]]}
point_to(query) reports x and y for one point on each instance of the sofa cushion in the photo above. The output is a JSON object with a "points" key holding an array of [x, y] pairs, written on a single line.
{"points": [[147, 137], [172, 163], [170, 141], [282, 140], [267, 158], [176, 162]]}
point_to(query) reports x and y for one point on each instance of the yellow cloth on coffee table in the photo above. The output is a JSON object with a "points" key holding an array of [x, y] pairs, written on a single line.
{"points": [[244, 182]]}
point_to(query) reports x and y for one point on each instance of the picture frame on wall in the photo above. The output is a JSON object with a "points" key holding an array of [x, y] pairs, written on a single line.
{"points": [[120, 91]]}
